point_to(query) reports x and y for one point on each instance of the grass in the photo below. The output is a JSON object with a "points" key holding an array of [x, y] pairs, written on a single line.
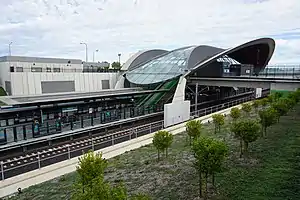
{"points": [[271, 172]]}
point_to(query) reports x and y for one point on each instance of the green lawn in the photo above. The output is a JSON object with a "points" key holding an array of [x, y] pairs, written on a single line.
{"points": [[272, 172]]}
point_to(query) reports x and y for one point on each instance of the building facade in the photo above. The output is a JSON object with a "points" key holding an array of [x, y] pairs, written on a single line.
{"points": [[35, 76]]}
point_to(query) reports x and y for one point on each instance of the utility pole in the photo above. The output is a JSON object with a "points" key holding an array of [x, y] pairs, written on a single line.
{"points": [[94, 54], [86, 51], [9, 48], [119, 54]]}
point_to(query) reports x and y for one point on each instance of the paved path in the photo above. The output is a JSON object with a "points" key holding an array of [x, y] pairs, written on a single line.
{"points": [[10, 185]]}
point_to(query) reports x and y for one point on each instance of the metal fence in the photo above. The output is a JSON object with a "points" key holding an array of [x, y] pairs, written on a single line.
{"points": [[23, 164], [281, 72]]}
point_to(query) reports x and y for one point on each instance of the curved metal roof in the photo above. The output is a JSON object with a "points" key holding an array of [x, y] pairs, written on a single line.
{"points": [[185, 60], [141, 57]]}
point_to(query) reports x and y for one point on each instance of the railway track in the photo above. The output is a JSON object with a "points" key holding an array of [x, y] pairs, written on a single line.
{"points": [[39, 158]]}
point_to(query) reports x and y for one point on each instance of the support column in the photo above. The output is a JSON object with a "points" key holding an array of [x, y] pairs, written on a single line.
{"points": [[196, 97]]}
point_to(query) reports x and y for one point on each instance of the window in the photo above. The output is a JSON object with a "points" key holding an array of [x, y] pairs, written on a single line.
{"points": [[56, 69], [48, 69], [19, 69], [36, 69], [248, 71], [12, 69]]}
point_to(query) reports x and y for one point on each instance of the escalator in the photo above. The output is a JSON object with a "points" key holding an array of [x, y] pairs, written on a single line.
{"points": [[144, 98], [153, 99]]}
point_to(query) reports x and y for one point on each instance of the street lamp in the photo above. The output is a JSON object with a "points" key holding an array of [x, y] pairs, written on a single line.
{"points": [[119, 58], [94, 54], [86, 51], [9, 48]]}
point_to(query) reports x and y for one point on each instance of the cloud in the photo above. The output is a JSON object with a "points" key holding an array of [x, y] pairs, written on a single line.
{"points": [[55, 28]]}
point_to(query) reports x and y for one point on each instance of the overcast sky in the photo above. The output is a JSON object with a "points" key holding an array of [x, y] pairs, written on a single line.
{"points": [[55, 28]]}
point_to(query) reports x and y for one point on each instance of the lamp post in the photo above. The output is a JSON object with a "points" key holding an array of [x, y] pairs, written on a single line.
{"points": [[94, 54], [86, 51], [119, 54], [9, 48]]}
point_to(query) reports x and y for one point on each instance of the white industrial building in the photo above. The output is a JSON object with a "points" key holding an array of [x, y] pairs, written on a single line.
{"points": [[35, 76]]}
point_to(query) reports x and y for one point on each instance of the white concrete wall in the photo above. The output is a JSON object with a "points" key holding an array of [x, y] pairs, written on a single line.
{"points": [[4, 73], [29, 83]]}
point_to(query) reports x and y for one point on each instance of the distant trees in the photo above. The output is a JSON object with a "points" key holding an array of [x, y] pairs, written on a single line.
{"points": [[162, 140], [235, 113], [116, 65], [218, 120], [193, 129], [209, 157]]}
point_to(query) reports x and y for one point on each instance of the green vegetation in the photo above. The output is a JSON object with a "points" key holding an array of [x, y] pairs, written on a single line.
{"points": [[116, 65], [235, 113], [269, 171], [193, 129], [2, 92], [162, 140], [218, 120]]}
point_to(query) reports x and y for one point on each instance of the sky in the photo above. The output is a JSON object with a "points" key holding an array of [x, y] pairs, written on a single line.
{"points": [[55, 28]]}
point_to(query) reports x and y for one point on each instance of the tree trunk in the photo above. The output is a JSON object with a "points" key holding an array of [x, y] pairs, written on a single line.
{"points": [[241, 148], [265, 131], [206, 188], [200, 183], [219, 128], [246, 148], [190, 140], [158, 155], [216, 128], [213, 179]]}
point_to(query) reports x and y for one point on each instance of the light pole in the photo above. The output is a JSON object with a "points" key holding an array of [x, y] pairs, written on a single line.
{"points": [[86, 51], [94, 54], [9, 48], [119, 54]]}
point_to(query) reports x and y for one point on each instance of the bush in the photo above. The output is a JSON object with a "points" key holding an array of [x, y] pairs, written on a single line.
{"points": [[193, 129], [218, 120], [235, 113]]}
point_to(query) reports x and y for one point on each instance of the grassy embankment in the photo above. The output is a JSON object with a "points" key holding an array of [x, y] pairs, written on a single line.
{"points": [[272, 172]]}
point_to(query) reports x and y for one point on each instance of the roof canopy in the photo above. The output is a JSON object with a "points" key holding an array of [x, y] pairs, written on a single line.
{"points": [[167, 65]]}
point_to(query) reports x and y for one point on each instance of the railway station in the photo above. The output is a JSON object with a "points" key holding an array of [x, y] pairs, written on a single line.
{"points": [[154, 89], [153, 81]]}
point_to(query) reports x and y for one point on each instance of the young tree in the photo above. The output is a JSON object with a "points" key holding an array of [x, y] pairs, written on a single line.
{"points": [[90, 166], [246, 107], [162, 140], [210, 155], [250, 133], [218, 120], [91, 184], [281, 107], [193, 129], [268, 117], [235, 113]]}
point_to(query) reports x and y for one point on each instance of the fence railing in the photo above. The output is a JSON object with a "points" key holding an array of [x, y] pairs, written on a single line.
{"points": [[23, 164], [281, 72]]}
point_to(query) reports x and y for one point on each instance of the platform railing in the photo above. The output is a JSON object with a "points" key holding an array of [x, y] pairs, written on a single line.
{"points": [[33, 161], [281, 72]]}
